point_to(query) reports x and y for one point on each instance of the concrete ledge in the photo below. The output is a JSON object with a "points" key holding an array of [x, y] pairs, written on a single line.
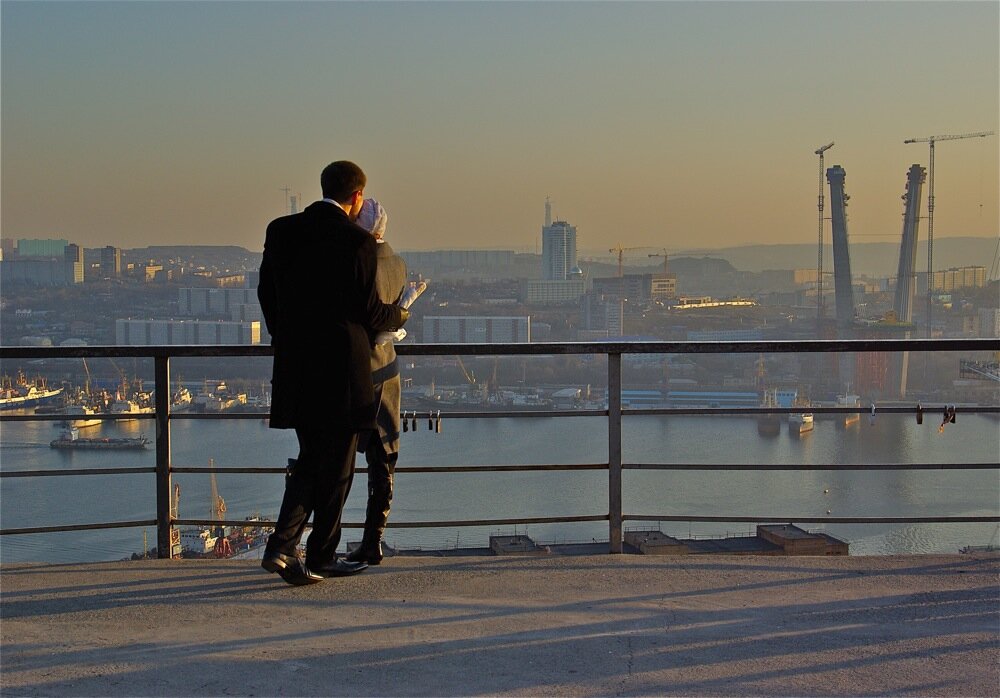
{"points": [[594, 625]]}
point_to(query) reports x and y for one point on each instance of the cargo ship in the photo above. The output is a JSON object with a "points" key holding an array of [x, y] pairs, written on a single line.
{"points": [[70, 439]]}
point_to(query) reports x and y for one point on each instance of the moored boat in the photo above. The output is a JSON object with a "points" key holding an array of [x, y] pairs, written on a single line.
{"points": [[24, 393], [79, 416], [769, 424], [800, 422], [847, 419], [181, 400]]}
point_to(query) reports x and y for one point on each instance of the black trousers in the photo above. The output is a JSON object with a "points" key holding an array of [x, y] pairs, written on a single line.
{"points": [[317, 483]]}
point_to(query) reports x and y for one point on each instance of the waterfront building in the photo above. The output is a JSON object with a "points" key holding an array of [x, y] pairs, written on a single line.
{"points": [[132, 332], [474, 329], [753, 334]]}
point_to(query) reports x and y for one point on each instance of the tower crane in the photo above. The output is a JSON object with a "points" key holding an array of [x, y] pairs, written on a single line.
{"points": [[621, 251], [931, 140], [665, 256], [819, 255]]}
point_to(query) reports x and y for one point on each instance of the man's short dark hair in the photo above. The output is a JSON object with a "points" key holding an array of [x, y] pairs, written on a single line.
{"points": [[341, 179]]}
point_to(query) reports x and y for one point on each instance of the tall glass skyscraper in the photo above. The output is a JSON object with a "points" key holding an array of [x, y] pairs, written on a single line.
{"points": [[558, 250]]}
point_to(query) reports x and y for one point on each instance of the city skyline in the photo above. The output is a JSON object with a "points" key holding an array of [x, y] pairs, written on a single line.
{"points": [[662, 124]]}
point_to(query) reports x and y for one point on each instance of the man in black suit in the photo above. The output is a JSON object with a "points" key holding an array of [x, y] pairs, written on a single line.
{"points": [[318, 295]]}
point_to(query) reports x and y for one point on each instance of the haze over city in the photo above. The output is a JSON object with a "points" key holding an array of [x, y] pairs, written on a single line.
{"points": [[669, 124]]}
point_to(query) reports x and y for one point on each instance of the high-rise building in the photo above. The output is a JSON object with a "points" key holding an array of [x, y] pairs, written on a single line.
{"points": [[558, 251], [51, 249], [73, 253], [111, 262]]}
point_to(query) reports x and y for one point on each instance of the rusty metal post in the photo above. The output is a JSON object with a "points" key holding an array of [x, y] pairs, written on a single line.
{"points": [[162, 402], [614, 452]]}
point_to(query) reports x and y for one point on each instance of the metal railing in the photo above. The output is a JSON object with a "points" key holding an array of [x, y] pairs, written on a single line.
{"points": [[614, 412]]}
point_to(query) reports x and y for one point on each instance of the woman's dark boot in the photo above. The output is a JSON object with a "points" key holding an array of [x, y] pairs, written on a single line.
{"points": [[376, 517]]}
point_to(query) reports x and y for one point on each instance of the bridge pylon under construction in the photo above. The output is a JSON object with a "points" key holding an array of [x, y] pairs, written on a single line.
{"points": [[874, 373]]}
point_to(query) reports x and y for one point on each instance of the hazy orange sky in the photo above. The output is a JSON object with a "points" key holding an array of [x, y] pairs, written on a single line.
{"points": [[668, 124]]}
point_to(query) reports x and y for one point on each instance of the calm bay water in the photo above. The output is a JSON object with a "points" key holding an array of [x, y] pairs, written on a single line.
{"points": [[46, 501]]}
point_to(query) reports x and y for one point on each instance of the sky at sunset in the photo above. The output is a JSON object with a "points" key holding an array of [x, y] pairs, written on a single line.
{"points": [[664, 124]]}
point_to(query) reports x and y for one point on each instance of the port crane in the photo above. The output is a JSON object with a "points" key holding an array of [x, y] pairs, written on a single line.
{"points": [[819, 254], [931, 140], [218, 510], [175, 533]]}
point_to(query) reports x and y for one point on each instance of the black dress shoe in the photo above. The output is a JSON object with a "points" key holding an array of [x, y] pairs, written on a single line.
{"points": [[371, 555], [340, 568], [291, 569]]}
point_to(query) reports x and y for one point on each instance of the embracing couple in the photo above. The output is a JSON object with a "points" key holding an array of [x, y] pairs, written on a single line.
{"points": [[329, 284]]}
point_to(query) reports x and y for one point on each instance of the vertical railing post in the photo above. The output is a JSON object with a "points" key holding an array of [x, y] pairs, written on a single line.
{"points": [[162, 402], [614, 452]]}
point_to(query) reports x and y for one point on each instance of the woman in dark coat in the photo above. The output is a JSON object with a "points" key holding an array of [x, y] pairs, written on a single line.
{"points": [[381, 447]]}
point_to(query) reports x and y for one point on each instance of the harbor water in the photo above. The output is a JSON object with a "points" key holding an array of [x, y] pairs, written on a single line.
{"points": [[49, 501]]}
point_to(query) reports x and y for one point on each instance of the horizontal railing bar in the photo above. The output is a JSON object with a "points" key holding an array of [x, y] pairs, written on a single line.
{"points": [[533, 348], [77, 471], [806, 468], [423, 414], [816, 519], [225, 470], [407, 468], [111, 417], [77, 527], [531, 520], [408, 524], [928, 410]]}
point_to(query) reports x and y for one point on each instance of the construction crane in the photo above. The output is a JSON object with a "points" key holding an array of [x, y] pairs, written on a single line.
{"points": [[665, 256], [931, 140], [621, 251], [819, 254]]}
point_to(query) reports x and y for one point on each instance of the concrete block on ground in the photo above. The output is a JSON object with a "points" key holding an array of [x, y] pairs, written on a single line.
{"points": [[655, 543]]}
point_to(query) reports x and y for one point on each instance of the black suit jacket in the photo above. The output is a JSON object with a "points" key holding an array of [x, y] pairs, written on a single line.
{"points": [[320, 304]]}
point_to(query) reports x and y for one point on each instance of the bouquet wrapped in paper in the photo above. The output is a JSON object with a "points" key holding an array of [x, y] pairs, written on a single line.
{"points": [[410, 293]]}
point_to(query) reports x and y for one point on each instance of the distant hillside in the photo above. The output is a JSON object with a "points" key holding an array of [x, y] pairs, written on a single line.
{"points": [[875, 258]]}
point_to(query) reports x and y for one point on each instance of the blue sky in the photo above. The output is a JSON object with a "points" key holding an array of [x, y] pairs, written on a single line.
{"points": [[669, 124]]}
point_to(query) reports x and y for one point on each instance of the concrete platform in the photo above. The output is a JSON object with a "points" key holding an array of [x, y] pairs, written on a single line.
{"points": [[592, 625]]}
